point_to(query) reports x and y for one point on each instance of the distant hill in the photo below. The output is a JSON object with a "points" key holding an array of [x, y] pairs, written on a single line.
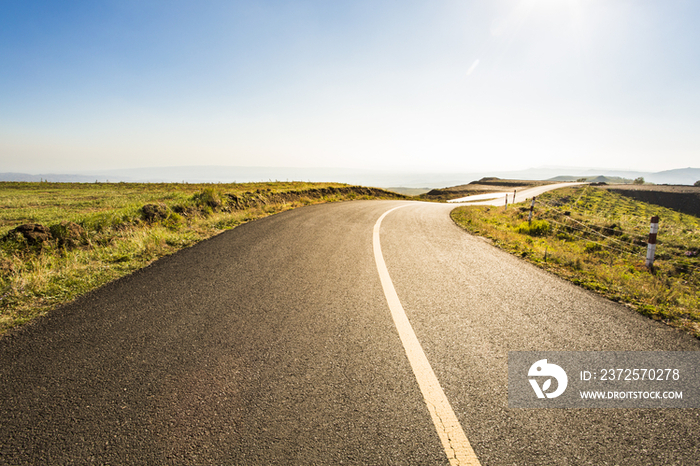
{"points": [[408, 191], [378, 178], [679, 176], [594, 179], [54, 178]]}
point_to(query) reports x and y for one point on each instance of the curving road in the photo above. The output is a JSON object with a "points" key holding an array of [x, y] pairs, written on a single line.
{"points": [[521, 195], [274, 343]]}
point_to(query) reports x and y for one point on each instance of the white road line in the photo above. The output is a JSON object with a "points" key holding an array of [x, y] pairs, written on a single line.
{"points": [[479, 197], [454, 441]]}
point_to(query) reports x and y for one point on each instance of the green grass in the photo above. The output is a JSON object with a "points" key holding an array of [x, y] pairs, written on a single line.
{"points": [[48, 203], [118, 237], [597, 239]]}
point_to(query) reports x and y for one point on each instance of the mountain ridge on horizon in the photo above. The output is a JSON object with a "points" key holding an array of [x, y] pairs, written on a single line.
{"points": [[379, 178]]}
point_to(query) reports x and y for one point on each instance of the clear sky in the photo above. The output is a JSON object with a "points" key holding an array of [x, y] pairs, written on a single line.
{"points": [[430, 85]]}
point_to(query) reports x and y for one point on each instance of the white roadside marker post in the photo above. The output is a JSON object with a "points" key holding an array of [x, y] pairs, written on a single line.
{"points": [[651, 244], [532, 206], [506, 202], [514, 192]]}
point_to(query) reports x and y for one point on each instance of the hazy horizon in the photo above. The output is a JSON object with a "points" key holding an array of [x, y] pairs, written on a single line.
{"points": [[367, 177], [416, 86], [559, 168]]}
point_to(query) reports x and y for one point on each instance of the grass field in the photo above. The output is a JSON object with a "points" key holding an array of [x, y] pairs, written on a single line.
{"points": [[101, 231], [597, 239], [78, 202]]}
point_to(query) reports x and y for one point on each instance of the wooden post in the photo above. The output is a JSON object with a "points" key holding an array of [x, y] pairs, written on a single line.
{"points": [[532, 206], [651, 244]]}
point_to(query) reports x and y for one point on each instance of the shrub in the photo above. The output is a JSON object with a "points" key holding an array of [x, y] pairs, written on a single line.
{"points": [[174, 221], [154, 212], [208, 197], [639, 180], [564, 236], [536, 228], [592, 247]]}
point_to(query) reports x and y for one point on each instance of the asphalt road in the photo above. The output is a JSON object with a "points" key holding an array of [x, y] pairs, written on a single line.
{"points": [[498, 198], [273, 344]]}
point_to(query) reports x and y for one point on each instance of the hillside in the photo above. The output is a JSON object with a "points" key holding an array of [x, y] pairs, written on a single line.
{"points": [[482, 186]]}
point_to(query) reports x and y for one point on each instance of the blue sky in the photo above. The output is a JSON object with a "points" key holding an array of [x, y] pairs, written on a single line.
{"points": [[437, 86]]}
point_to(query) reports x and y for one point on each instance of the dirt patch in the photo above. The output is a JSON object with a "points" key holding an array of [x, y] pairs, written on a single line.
{"points": [[68, 234], [684, 199], [64, 234], [34, 234]]}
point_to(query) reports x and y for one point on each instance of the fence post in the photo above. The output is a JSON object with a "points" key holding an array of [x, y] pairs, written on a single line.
{"points": [[506, 202], [651, 244], [532, 206], [514, 192]]}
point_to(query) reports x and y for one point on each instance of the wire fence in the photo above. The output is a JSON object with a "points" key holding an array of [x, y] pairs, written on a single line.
{"points": [[584, 231]]}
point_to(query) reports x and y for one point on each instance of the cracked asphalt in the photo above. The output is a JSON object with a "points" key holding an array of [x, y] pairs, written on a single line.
{"points": [[273, 344]]}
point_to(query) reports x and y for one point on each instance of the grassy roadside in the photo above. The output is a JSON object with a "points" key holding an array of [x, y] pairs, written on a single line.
{"points": [[597, 239], [94, 233]]}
